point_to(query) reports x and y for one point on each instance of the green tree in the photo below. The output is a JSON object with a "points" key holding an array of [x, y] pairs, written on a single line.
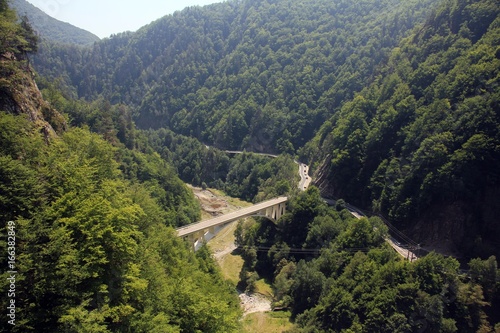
{"points": [[306, 287]]}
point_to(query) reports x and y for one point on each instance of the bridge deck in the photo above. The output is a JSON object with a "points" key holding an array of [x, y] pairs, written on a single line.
{"points": [[230, 217]]}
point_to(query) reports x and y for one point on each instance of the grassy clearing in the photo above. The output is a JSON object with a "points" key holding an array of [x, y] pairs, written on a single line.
{"points": [[231, 267], [264, 288], [229, 263], [205, 216], [268, 322]]}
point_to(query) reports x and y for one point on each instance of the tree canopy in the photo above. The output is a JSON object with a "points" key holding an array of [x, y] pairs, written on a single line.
{"points": [[261, 75], [421, 143], [92, 220], [96, 250], [336, 273]]}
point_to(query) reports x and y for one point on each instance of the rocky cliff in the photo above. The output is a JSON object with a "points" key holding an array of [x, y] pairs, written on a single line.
{"points": [[19, 94]]}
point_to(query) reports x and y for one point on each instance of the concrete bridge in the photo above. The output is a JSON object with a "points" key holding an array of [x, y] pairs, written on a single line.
{"points": [[197, 232]]}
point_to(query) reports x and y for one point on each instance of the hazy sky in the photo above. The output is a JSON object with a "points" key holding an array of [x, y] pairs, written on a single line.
{"points": [[106, 17]]}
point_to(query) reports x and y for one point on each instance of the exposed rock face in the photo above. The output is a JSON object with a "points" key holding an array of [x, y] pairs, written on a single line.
{"points": [[461, 228], [19, 94], [321, 179], [441, 229]]}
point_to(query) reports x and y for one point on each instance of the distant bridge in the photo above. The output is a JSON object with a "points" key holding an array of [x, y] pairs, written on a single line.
{"points": [[235, 152], [204, 230]]}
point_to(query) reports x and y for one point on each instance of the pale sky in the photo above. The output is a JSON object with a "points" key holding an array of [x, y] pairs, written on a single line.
{"points": [[106, 17]]}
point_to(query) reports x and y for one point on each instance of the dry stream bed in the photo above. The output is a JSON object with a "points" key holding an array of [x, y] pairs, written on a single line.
{"points": [[256, 306]]}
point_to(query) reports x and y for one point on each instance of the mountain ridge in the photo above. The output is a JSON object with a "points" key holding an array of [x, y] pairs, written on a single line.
{"points": [[51, 28]]}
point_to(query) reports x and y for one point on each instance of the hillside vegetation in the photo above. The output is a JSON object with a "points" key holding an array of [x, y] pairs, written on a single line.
{"points": [[261, 75], [91, 243], [421, 144]]}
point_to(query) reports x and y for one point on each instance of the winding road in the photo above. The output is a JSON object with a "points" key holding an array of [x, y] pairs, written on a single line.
{"points": [[305, 178], [403, 251], [305, 182]]}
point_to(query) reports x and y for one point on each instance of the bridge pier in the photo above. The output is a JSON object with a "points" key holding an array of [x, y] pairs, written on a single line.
{"points": [[282, 210], [198, 238], [274, 213]]}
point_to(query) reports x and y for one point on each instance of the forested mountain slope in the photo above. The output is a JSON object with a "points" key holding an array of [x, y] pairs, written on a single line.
{"points": [[422, 143], [397, 99], [91, 245], [51, 29], [257, 74]]}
